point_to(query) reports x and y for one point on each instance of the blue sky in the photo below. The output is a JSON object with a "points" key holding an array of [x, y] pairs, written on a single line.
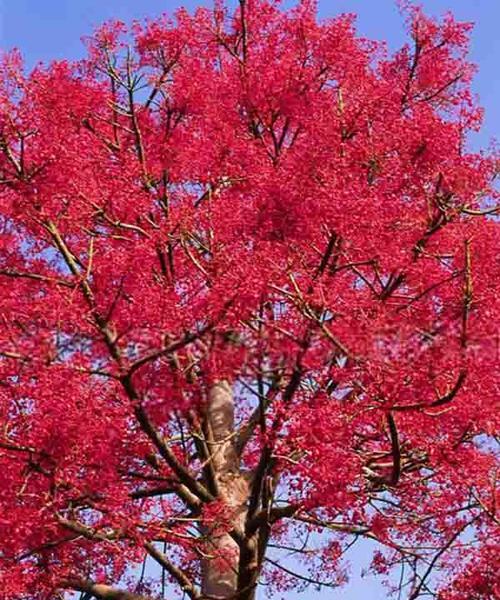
{"points": [[48, 29]]}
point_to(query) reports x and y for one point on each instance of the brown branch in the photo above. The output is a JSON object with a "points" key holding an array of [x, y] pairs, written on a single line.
{"points": [[412, 72], [416, 591], [163, 78], [112, 146], [440, 90], [17, 448], [437, 223], [342, 527], [396, 450], [190, 490], [268, 517], [14, 355], [102, 591], [75, 266], [100, 212], [36, 277], [448, 397], [72, 262], [203, 442], [195, 261], [247, 429], [141, 155], [108, 593], [333, 244], [90, 533], [188, 338], [266, 461], [394, 282], [152, 492], [480, 213], [5, 148], [175, 572], [430, 289], [46, 546], [305, 578], [244, 32]]}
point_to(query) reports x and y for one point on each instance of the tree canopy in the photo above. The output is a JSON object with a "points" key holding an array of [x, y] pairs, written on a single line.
{"points": [[249, 307]]}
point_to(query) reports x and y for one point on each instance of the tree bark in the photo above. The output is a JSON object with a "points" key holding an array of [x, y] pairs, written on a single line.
{"points": [[104, 592], [220, 577]]}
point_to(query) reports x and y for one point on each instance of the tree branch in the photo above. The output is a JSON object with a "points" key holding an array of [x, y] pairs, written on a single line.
{"points": [[396, 450], [102, 591], [448, 397], [175, 572]]}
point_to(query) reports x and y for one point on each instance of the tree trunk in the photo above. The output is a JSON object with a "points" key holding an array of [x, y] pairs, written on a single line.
{"points": [[220, 577]]}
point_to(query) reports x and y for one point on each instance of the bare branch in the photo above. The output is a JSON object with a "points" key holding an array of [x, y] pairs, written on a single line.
{"points": [[102, 591], [174, 571], [396, 450], [448, 397]]}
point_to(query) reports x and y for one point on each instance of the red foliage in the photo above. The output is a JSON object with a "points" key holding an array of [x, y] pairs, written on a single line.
{"points": [[269, 200]]}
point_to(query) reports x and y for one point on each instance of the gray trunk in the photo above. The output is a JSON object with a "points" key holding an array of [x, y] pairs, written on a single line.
{"points": [[220, 578]]}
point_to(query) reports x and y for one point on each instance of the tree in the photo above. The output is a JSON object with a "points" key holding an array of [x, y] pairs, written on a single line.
{"points": [[250, 307]]}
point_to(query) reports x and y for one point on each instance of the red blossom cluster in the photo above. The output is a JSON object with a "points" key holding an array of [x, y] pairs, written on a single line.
{"points": [[268, 200]]}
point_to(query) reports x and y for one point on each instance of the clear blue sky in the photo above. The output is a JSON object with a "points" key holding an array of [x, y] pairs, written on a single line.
{"points": [[48, 29]]}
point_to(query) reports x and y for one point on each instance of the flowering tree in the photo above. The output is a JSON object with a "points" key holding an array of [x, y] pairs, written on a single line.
{"points": [[249, 306]]}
